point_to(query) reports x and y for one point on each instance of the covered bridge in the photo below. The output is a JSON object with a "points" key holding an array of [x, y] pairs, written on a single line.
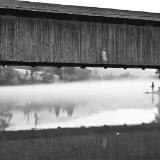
{"points": [[58, 35]]}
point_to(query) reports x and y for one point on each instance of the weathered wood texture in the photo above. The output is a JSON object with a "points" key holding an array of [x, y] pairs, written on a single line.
{"points": [[25, 39], [51, 34], [125, 146]]}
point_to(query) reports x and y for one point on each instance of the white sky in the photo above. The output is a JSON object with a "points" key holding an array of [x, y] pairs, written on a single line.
{"points": [[136, 5]]}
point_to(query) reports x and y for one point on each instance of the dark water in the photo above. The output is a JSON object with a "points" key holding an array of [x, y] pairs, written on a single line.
{"points": [[78, 104]]}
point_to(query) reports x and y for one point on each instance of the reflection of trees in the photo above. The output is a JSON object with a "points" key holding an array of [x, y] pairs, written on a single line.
{"points": [[157, 116], [57, 111], [5, 119], [68, 108], [37, 107], [5, 116], [31, 107], [5, 113], [7, 108], [35, 120]]}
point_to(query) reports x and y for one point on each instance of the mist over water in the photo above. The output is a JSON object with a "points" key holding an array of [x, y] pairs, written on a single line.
{"points": [[89, 103]]}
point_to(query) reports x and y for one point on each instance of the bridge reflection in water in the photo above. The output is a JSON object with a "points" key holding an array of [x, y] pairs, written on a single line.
{"points": [[107, 142]]}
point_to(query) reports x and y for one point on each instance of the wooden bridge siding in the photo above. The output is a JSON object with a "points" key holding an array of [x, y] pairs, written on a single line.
{"points": [[60, 41], [133, 146]]}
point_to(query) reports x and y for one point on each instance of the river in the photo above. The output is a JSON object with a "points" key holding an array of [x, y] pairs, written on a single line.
{"points": [[76, 104]]}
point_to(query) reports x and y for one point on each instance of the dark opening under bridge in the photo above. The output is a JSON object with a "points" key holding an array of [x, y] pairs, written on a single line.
{"points": [[57, 35]]}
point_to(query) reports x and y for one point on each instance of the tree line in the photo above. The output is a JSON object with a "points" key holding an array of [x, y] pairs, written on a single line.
{"points": [[11, 75], [30, 75]]}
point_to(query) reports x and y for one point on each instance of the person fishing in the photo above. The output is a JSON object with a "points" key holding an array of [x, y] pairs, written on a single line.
{"points": [[152, 86]]}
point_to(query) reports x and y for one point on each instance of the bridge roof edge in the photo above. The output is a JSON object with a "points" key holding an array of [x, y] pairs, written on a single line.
{"points": [[78, 10]]}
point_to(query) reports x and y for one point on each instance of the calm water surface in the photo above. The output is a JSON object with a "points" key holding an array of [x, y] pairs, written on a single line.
{"points": [[93, 103]]}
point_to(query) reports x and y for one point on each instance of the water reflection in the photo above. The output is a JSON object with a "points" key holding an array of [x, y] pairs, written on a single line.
{"points": [[78, 104], [5, 118], [157, 93], [31, 110], [5, 115]]}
